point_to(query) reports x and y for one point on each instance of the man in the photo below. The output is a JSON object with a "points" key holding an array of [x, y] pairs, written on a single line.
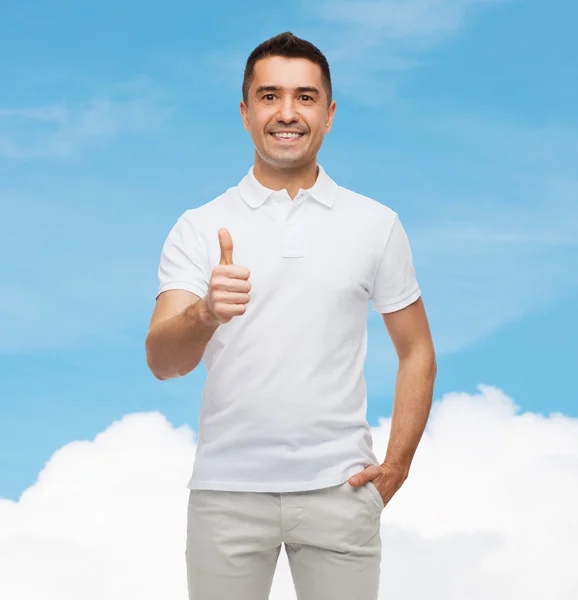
{"points": [[269, 285]]}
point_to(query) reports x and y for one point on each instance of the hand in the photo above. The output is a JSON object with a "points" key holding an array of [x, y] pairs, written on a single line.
{"points": [[229, 286], [386, 478]]}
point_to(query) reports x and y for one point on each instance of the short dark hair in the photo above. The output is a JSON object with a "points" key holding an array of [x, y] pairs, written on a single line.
{"points": [[290, 46]]}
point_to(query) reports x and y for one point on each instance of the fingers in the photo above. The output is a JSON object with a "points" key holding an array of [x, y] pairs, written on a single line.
{"points": [[224, 297], [230, 282]]}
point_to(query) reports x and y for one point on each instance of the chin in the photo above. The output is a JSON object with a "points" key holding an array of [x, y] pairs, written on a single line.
{"points": [[289, 161]]}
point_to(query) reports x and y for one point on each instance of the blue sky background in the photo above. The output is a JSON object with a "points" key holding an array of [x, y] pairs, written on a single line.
{"points": [[461, 116]]}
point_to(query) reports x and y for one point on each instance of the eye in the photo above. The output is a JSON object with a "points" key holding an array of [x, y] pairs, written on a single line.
{"points": [[306, 96], [269, 96]]}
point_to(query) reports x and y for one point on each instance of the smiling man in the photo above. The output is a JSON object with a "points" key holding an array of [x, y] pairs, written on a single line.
{"points": [[284, 453]]}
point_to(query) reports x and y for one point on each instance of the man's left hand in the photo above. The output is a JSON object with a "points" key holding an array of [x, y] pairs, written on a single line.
{"points": [[386, 478]]}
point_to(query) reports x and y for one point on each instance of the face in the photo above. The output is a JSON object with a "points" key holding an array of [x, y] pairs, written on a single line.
{"points": [[287, 94]]}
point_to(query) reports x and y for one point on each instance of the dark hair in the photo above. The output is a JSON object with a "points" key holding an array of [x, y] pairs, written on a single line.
{"points": [[290, 46]]}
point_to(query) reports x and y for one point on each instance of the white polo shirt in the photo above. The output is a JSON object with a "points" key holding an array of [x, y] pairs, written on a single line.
{"points": [[284, 403]]}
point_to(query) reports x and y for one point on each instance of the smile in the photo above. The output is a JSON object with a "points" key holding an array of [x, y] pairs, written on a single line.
{"points": [[287, 137]]}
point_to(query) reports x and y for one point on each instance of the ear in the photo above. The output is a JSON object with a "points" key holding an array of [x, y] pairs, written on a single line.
{"points": [[244, 115], [330, 115]]}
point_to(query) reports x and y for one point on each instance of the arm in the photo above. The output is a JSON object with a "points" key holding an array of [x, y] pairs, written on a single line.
{"points": [[409, 331], [179, 332], [395, 285]]}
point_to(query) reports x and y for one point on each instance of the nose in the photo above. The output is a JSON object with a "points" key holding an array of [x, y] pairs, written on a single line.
{"points": [[287, 112]]}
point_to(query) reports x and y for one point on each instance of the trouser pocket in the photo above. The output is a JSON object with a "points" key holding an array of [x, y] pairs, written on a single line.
{"points": [[376, 495]]}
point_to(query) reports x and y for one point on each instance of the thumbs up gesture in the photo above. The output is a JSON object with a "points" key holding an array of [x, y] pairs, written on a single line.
{"points": [[229, 286]]}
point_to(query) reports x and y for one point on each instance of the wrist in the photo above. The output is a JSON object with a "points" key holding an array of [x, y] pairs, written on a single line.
{"points": [[401, 469], [205, 315]]}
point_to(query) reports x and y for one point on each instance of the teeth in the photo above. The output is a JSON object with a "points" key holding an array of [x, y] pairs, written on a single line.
{"points": [[287, 135]]}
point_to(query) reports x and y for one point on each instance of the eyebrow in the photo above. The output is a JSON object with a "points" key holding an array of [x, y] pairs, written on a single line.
{"points": [[278, 88]]}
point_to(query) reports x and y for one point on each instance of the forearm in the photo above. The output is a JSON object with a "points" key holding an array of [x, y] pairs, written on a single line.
{"points": [[175, 347], [411, 407]]}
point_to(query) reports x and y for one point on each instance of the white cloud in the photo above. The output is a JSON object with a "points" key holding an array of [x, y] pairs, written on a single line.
{"points": [[488, 512], [403, 19], [52, 113], [62, 129]]}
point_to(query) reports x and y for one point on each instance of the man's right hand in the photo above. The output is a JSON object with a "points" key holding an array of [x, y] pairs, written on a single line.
{"points": [[229, 286]]}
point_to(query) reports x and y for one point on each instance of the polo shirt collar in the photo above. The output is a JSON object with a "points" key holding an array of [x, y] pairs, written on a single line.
{"points": [[255, 194]]}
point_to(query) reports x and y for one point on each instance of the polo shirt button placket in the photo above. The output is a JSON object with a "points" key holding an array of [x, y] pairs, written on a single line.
{"points": [[294, 235], [278, 210]]}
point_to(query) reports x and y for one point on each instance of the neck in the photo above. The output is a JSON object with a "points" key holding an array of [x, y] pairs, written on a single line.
{"points": [[293, 179]]}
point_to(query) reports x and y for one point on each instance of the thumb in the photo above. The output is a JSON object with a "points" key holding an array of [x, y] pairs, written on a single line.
{"points": [[368, 474], [226, 243]]}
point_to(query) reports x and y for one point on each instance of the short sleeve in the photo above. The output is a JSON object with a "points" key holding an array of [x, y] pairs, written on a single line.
{"points": [[395, 285], [183, 263]]}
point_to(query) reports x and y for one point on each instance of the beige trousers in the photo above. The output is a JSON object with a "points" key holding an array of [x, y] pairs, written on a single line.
{"points": [[331, 536]]}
